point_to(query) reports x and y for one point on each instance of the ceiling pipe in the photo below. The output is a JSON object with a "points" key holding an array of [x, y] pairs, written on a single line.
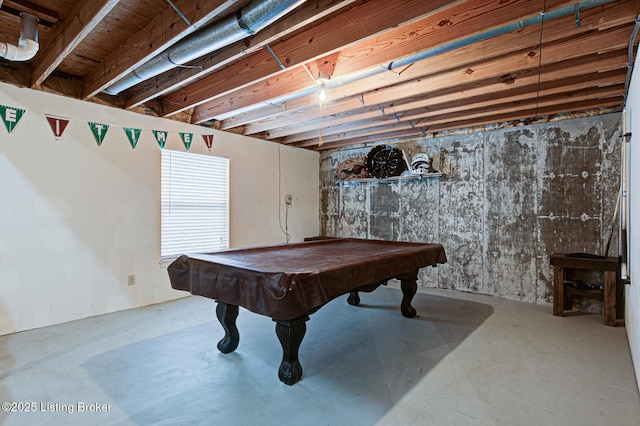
{"points": [[247, 21], [439, 50], [27, 44]]}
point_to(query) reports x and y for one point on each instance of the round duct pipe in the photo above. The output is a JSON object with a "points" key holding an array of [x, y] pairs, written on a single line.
{"points": [[247, 21]]}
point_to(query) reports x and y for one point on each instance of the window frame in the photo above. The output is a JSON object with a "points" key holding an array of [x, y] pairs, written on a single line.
{"points": [[194, 199]]}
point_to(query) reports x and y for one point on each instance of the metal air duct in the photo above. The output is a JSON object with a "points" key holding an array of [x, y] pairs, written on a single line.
{"points": [[247, 21]]}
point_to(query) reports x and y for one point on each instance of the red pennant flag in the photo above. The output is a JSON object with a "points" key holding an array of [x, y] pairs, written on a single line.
{"points": [[208, 139], [58, 125]]}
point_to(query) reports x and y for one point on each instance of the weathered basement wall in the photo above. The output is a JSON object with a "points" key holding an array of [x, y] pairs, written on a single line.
{"points": [[507, 200]]}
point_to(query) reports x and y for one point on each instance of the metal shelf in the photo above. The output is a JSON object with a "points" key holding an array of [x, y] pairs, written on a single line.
{"points": [[392, 179]]}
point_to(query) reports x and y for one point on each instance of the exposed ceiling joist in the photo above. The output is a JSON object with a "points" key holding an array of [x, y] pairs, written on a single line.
{"points": [[84, 18], [365, 20], [164, 30], [451, 24], [517, 53], [399, 69], [168, 82]]}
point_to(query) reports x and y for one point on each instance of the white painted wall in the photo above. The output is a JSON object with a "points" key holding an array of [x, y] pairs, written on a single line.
{"points": [[76, 219], [632, 291]]}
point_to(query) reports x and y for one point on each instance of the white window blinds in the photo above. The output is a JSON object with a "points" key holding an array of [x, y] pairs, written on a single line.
{"points": [[194, 204]]}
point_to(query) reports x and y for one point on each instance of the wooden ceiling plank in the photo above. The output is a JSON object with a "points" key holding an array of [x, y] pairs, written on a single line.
{"points": [[520, 64], [81, 21], [571, 88], [497, 88], [380, 135], [591, 73], [599, 64], [164, 30], [368, 141], [560, 87], [517, 63], [434, 30], [467, 99], [41, 13], [573, 107], [369, 18], [623, 12], [259, 115], [170, 81], [472, 126], [588, 94], [477, 111], [595, 18], [370, 115], [460, 23], [333, 129], [568, 108], [510, 115]]}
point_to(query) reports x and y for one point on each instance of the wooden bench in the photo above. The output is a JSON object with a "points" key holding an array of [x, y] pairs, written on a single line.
{"points": [[564, 267]]}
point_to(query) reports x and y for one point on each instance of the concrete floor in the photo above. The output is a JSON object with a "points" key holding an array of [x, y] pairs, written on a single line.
{"points": [[467, 360]]}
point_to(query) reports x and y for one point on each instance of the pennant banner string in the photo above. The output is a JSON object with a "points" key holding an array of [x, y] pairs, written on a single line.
{"points": [[11, 116]]}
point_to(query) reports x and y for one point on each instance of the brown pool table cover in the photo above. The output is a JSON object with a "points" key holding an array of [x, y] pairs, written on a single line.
{"points": [[291, 280]]}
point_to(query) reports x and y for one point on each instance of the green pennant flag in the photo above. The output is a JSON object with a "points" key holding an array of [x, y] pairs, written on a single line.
{"points": [[11, 116], [186, 140], [99, 131], [161, 137], [133, 135]]}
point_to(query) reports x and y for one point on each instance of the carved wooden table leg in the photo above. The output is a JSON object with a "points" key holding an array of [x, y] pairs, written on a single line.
{"points": [[227, 315], [409, 288], [290, 334], [353, 299]]}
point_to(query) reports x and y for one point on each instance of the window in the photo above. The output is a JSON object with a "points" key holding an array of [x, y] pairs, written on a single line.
{"points": [[194, 204]]}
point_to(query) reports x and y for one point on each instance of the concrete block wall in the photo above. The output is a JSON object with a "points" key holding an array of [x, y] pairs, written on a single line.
{"points": [[507, 200]]}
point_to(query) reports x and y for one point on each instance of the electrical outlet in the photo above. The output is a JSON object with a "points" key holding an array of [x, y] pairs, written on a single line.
{"points": [[288, 199], [131, 280]]}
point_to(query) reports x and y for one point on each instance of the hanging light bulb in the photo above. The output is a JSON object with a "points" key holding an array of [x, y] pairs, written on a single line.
{"points": [[322, 95], [322, 80]]}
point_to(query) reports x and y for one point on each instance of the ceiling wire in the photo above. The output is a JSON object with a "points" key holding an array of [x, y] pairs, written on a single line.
{"points": [[321, 113], [544, 9], [320, 136], [397, 73], [309, 72], [184, 18]]}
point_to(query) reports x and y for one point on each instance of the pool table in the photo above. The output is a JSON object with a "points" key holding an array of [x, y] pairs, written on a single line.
{"points": [[289, 282]]}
